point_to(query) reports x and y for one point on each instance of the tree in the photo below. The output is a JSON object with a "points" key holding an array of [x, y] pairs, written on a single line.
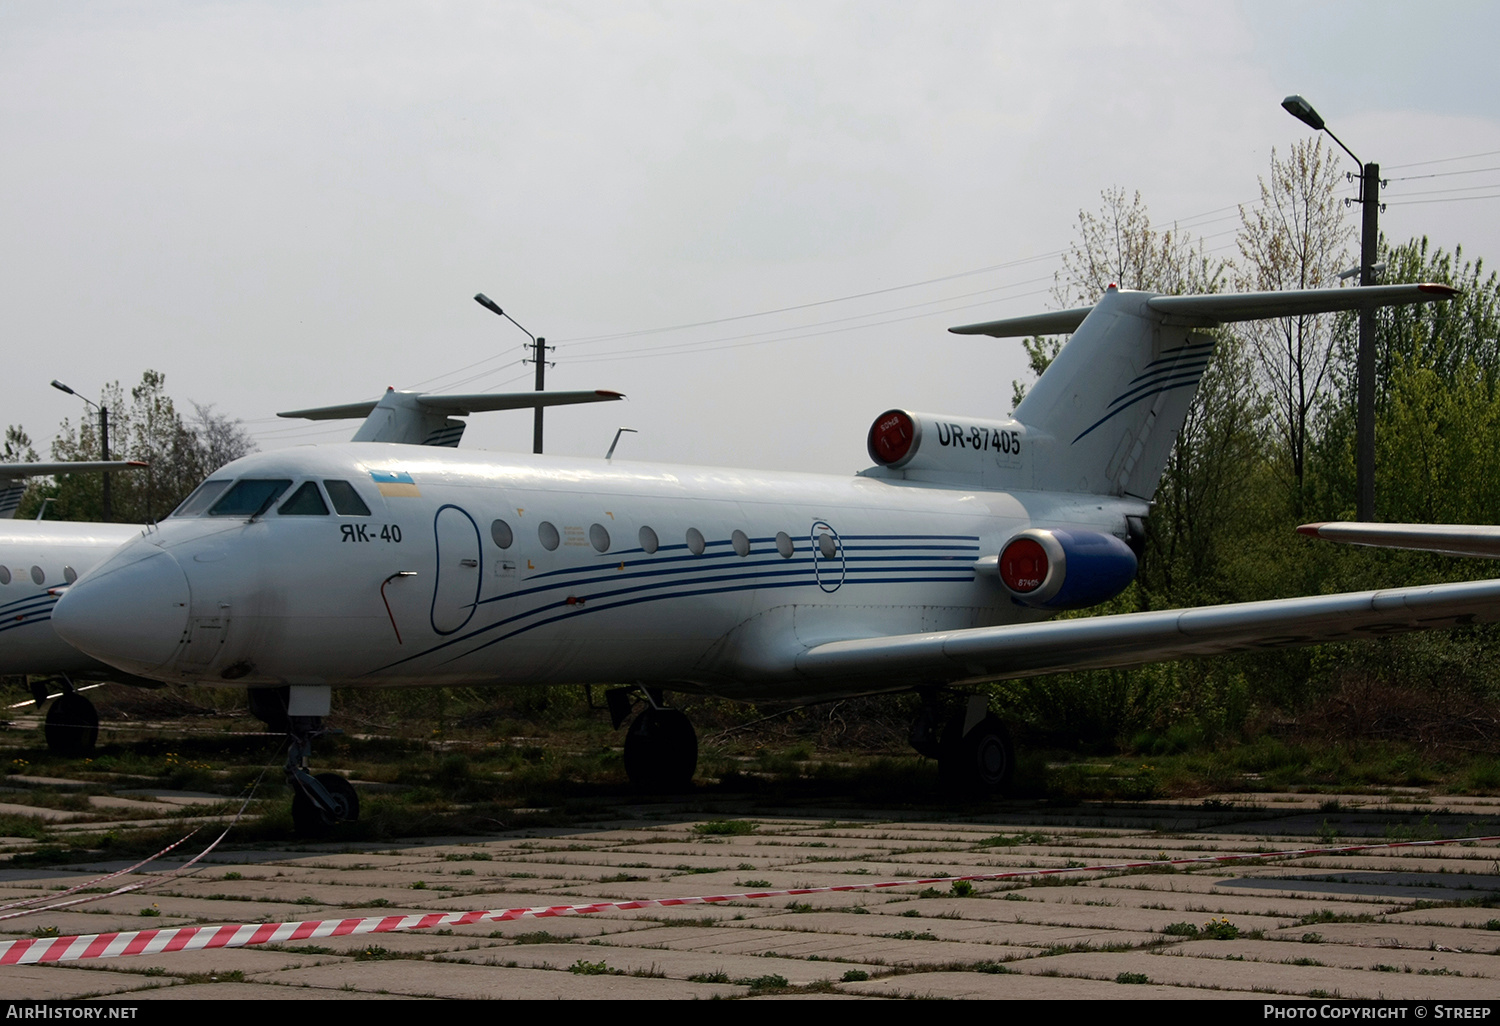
{"points": [[149, 428], [1297, 238]]}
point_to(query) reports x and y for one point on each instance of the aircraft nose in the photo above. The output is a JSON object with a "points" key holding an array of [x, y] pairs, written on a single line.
{"points": [[131, 616]]}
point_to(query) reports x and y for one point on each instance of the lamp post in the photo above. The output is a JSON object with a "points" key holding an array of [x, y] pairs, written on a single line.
{"points": [[103, 440], [1369, 195], [539, 349]]}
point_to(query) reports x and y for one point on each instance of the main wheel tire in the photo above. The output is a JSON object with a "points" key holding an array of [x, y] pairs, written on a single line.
{"points": [[661, 750], [72, 727], [308, 820], [980, 762]]}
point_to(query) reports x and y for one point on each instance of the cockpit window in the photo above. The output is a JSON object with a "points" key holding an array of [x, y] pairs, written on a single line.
{"points": [[305, 502], [346, 500], [248, 497], [204, 494]]}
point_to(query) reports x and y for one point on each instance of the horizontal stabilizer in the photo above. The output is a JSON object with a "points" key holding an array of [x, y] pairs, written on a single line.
{"points": [[459, 405], [1208, 310], [1449, 539], [1061, 322], [12, 471], [1133, 639]]}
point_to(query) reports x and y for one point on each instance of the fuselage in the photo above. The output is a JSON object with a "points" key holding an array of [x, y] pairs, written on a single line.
{"points": [[454, 567]]}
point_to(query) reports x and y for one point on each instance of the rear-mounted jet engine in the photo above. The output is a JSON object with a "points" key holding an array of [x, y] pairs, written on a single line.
{"points": [[990, 450], [1065, 569]]}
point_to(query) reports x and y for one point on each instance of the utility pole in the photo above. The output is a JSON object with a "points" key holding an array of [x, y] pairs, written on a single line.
{"points": [[539, 357], [103, 444], [539, 349], [1369, 195]]}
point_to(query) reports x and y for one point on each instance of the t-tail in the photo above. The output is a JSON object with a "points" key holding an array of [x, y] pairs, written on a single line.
{"points": [[1103, 417], [421, 418]]}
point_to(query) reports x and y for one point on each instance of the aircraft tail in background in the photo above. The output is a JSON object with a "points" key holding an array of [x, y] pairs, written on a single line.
{"points": [[1109, 407]]}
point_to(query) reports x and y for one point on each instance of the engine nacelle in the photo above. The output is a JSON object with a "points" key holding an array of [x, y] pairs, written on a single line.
{"points": [[902, 440], [1060, 568]]}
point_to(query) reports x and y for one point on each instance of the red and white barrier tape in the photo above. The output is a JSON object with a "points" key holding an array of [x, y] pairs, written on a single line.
{"points": [[196, 938], [87, 883], [152, 881]]}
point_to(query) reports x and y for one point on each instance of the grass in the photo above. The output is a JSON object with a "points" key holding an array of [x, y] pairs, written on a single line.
{"points": [[460, 761]]}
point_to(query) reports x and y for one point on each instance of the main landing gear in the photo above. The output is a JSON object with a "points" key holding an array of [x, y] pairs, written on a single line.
{"points": [[661, 749], [318, 802], [973, 749], [72, 725]]}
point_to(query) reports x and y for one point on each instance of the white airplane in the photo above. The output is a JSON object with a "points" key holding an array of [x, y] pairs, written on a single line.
{"points": [[384, 565], [40, 558], [35, 557]]}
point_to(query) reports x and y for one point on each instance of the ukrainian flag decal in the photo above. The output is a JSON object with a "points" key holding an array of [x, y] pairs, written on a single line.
{"points": [[394, 482]]}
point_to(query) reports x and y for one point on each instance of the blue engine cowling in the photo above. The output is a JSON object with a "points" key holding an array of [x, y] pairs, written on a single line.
{"points": [[1064, 568]]}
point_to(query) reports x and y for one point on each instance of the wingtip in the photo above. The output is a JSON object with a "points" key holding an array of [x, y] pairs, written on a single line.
{"points": [[609, 392], [1438, 289], [1311, 530]]}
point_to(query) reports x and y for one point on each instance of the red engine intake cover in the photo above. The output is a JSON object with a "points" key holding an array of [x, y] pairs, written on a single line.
{"points": [[1023, 565], [891, 437]]}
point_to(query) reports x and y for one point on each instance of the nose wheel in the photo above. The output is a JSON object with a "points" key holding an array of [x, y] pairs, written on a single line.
{"points": [[320, 803]]}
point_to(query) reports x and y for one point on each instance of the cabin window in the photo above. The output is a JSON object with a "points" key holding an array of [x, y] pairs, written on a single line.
{"points": [[37, 576], [69, 574], [500, 531], [306, 501], [204, 494], [599, 538], [548, 536], [827, 545], [248, 497], [346, 501], [741, 542], [695, 541], [784, 545], [649, 541], [4, 575]]}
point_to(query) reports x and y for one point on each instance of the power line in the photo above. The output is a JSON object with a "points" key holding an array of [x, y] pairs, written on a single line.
{"points": [[591, 339], [1444, 174], [1450, 199], [1442, 160]]}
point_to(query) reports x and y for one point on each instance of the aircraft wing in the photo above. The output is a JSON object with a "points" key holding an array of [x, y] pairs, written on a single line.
{"points": [[1449, 539], [1132, 639]]}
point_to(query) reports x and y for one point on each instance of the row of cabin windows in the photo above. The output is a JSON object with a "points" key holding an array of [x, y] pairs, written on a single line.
{"points": [[38, 575], [253, 496], [550, 539]]}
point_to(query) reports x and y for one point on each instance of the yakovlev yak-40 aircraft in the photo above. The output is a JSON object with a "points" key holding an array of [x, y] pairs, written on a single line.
{"points": [[368, 565], [39, 558]]}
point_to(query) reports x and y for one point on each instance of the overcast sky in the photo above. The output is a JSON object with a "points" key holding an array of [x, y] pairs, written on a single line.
{"points": [[282, 205]]}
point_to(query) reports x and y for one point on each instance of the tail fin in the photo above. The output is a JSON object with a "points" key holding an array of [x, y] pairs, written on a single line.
{"points": [[1114, 399], [1109, 408]]}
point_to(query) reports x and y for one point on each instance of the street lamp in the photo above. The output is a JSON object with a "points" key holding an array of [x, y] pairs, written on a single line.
{"points": [[539, 349], [1369, 195], [103, 439]]}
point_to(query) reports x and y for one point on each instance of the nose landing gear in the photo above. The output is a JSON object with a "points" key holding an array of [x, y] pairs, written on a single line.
{"points": [[321, 802]]}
